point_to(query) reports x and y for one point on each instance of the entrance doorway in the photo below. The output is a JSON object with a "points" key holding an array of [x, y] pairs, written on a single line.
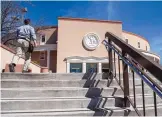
{"points": [[105, 67], [105, 70], [91, 65]]}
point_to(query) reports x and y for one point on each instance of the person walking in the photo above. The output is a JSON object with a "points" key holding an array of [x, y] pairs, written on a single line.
{"points": [[25, 35]]}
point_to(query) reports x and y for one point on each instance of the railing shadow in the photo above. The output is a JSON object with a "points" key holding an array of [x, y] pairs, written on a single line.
{"points": [[95, 93], [100, 104], [90, 79], [111, 111], [106, 75]]}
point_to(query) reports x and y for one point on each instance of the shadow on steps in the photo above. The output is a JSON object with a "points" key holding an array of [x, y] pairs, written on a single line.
{"points": [[95, 93]]}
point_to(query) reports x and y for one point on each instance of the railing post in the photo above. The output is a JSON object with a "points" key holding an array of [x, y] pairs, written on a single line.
{"points": [[110, 60], [125, 81]]}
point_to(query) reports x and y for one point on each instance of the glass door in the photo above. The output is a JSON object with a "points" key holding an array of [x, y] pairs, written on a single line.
{"points": [[91, 65]]}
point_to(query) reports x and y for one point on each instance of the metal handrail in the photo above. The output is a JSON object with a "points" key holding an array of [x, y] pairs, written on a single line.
{"points": [[137, 62], [153, 67], [150, 82]]}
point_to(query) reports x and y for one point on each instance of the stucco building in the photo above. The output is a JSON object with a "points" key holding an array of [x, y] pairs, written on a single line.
{"points": [[75, 45]]}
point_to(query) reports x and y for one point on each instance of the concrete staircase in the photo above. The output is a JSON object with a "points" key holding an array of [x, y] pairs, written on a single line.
{"points": [[42, 95]]}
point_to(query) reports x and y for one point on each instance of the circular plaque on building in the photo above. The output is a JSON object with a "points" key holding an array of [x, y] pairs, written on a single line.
{"points": [[91, 41]]}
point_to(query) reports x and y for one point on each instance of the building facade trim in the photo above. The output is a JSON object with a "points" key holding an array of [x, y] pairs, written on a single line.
{"points": [[85, 58], [46, 47], [89, 20]]}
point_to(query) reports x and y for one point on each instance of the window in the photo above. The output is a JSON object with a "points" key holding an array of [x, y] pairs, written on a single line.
{"points": [[42, 55], [91, 65], [126, 40], [138, 44], [75, 67], [43, 38]]}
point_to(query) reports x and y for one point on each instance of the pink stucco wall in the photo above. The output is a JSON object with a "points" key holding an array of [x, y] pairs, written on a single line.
{"points": [[71, 33]]}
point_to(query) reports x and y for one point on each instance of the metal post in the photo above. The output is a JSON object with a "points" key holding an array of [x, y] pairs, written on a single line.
{"points": [[143, 98], [155, 104], [114, 64], [125, 82], [110, 61], [119, 70], [134, 89]]}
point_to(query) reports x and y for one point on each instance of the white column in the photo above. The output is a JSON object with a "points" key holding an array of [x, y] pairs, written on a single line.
{"points": [[154, 58], [84, 67], [48, 58], [128, 69], [67, 67], [99, 68]]}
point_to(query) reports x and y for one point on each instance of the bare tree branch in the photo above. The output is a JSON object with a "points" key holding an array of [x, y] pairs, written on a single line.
{"points": [[9, 9], [11, 16]]}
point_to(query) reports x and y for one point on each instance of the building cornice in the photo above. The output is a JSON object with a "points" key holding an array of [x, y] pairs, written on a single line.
{"points": [[88, 20], [46, 47], [45, 27]]}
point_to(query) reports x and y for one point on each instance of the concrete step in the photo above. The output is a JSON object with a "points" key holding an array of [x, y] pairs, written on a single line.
{"points": [[59, 76], [16, 83], [66, 92], [61, 112], [10, 83], [62, 76], [119, 101], [131, 112], [57, 92], [83, 112], [65, 103], [53, 112], [45, 104]]}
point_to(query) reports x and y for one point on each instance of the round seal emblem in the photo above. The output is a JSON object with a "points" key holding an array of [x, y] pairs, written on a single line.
{"points": [[91, 41]]}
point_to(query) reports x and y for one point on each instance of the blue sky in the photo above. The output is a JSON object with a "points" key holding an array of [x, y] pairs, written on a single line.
{"points": [[143, 18]]}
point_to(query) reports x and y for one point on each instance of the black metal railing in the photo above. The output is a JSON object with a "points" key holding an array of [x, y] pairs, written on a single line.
{"points": [[131, 58]]}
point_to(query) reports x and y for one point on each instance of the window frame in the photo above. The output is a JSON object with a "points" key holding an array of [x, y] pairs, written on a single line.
{"points": [[92, 63]]}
